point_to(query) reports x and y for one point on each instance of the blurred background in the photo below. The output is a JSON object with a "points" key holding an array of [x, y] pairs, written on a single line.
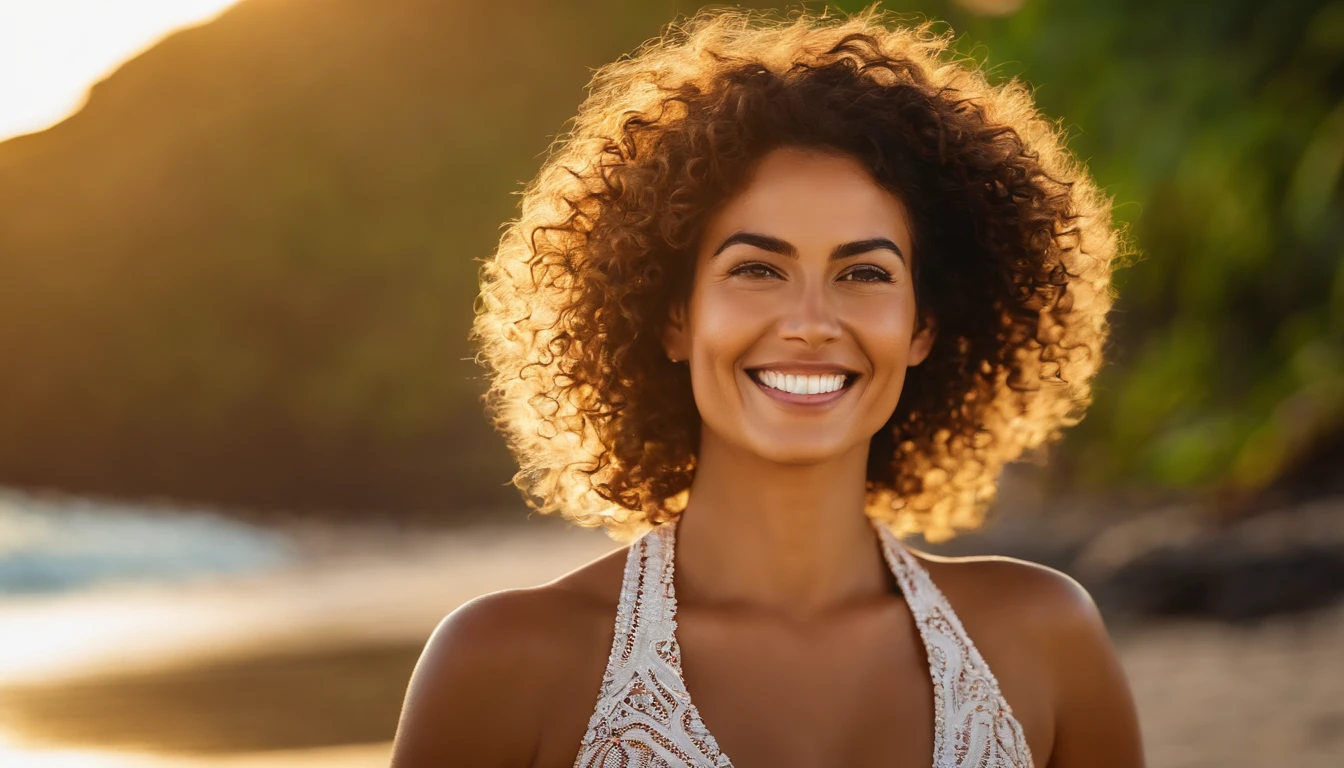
{"points": [[243, 464]]}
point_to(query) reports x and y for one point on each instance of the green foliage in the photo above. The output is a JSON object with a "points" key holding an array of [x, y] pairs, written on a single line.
{"points": [[1218, 127]]}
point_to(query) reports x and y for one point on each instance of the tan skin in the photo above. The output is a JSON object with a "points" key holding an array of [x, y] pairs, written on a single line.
{"points": [[798, 650]]}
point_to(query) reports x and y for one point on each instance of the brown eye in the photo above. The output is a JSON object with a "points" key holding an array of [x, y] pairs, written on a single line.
{"points": [[754, 269], [867, 273]]}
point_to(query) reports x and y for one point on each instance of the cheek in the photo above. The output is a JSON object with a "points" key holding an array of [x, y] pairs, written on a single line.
{"points": [[726, 322], [884, 331]]}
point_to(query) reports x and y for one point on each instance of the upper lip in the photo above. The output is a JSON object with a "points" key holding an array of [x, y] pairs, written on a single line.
{"points": [[804, 368]]}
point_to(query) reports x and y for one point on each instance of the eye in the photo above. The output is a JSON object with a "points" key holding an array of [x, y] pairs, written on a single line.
{"points": [[867, 273], [755, 269]]}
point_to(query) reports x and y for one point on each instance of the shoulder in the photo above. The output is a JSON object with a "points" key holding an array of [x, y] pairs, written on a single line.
{"points": [[1027, 596], [488, 682], [1027, 620], [1046, 642], [1022, 616]]}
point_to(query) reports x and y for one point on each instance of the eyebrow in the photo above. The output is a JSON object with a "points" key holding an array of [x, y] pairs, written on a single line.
{"points": [[785, 248]]}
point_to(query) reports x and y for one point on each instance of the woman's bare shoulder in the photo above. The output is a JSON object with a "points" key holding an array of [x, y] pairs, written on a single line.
{"points": [[1044, 638], [1018, 613], [529, 617], [506, 670], [999, 586]]}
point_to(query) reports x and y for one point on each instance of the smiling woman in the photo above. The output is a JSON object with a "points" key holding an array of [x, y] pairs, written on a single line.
{"points": [[789, 290], [800, 281], [1011, 247]]}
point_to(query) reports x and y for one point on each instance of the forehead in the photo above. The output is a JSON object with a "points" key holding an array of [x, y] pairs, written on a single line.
{"points": [[811, 197]]}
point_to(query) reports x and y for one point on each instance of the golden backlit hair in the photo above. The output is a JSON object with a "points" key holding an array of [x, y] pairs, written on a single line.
{"points": [[1013, 250]]}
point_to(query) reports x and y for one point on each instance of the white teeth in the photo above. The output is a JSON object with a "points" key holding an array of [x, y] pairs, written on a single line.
{"points": [[802, 385]]}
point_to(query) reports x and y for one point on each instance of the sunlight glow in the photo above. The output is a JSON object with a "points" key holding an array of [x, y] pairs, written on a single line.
{"points": [[14, 752], [51, 51]]}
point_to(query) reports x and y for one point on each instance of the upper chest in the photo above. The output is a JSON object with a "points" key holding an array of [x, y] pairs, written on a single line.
{"points": [[855, 689], [852, 689]]}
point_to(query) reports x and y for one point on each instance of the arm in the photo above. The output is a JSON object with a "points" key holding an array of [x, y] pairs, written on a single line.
{"points": [[471, 700], [1096, 725]]}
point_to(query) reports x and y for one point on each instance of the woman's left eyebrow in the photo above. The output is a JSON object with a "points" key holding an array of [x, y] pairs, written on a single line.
{"points": [[785, 248]]}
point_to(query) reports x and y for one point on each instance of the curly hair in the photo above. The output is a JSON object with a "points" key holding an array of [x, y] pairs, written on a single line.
{"points": [[1014, 246]]}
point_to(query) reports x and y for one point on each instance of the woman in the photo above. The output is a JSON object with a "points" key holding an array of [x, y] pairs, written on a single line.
{"points": [[789, 289]]}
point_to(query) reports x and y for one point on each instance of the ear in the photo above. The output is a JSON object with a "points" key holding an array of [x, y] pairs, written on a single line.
{"points": [[922, 342], [676, 335]]}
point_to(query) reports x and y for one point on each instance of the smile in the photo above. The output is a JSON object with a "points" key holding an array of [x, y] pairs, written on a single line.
{"points": [[802, 388]]}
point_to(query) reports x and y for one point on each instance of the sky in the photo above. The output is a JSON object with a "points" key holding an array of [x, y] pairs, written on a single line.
{"points": [[51, 51]]}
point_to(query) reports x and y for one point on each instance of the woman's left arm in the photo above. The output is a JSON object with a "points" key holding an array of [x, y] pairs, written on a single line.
{"points": [[1096, 724]]}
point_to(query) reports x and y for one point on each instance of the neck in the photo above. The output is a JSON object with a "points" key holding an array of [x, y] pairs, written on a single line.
{"points": [[792, 540]]}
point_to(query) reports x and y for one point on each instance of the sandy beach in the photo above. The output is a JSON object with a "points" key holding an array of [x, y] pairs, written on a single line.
{"points": [[308, 666]]}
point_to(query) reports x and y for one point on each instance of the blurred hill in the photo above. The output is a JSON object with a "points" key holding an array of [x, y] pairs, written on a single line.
{"points": [[244, 272]]}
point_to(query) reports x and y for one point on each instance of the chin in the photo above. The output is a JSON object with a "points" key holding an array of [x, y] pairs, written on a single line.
{"points": [[800, 450]]}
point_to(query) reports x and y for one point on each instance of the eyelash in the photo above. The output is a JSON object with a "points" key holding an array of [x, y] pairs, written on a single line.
{"points": [[756, 268]]}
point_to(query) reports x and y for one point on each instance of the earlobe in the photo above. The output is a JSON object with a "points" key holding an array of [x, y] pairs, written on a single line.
{"points": [[674, 334], [922, 342]]}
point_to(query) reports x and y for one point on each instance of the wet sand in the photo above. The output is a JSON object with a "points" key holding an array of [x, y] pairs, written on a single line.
{"points": [[1208, 694]]}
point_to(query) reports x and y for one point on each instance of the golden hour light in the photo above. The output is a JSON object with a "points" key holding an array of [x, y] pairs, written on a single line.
{"points": [[370, 368], [51, 51], [13, 753]]}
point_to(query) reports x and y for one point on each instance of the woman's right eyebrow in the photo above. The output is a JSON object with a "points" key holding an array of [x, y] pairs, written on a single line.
{"points": [[785, 248]]}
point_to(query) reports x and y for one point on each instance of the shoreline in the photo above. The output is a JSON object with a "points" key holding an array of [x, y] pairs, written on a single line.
{"points": [[1208, 695], [307, 665]]}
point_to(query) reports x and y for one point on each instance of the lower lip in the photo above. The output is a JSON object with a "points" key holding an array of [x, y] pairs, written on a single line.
{"points": [[821, 398]]}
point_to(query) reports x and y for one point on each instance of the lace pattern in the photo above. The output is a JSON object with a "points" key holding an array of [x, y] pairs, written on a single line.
{"points": [[644, 716], [973, 723], [645, 719]]}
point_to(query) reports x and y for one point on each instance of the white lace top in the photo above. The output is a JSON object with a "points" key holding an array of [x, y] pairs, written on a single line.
{"points": [[645, 718]]}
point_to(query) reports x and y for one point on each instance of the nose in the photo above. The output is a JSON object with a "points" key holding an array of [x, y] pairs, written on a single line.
{"points": [[810, 316]]}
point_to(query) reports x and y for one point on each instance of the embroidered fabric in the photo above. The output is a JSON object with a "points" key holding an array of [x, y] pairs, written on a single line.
{"points": [[645, 719]]}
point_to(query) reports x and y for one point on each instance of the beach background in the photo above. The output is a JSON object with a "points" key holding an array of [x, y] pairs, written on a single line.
{"points": [[243, 465]]}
